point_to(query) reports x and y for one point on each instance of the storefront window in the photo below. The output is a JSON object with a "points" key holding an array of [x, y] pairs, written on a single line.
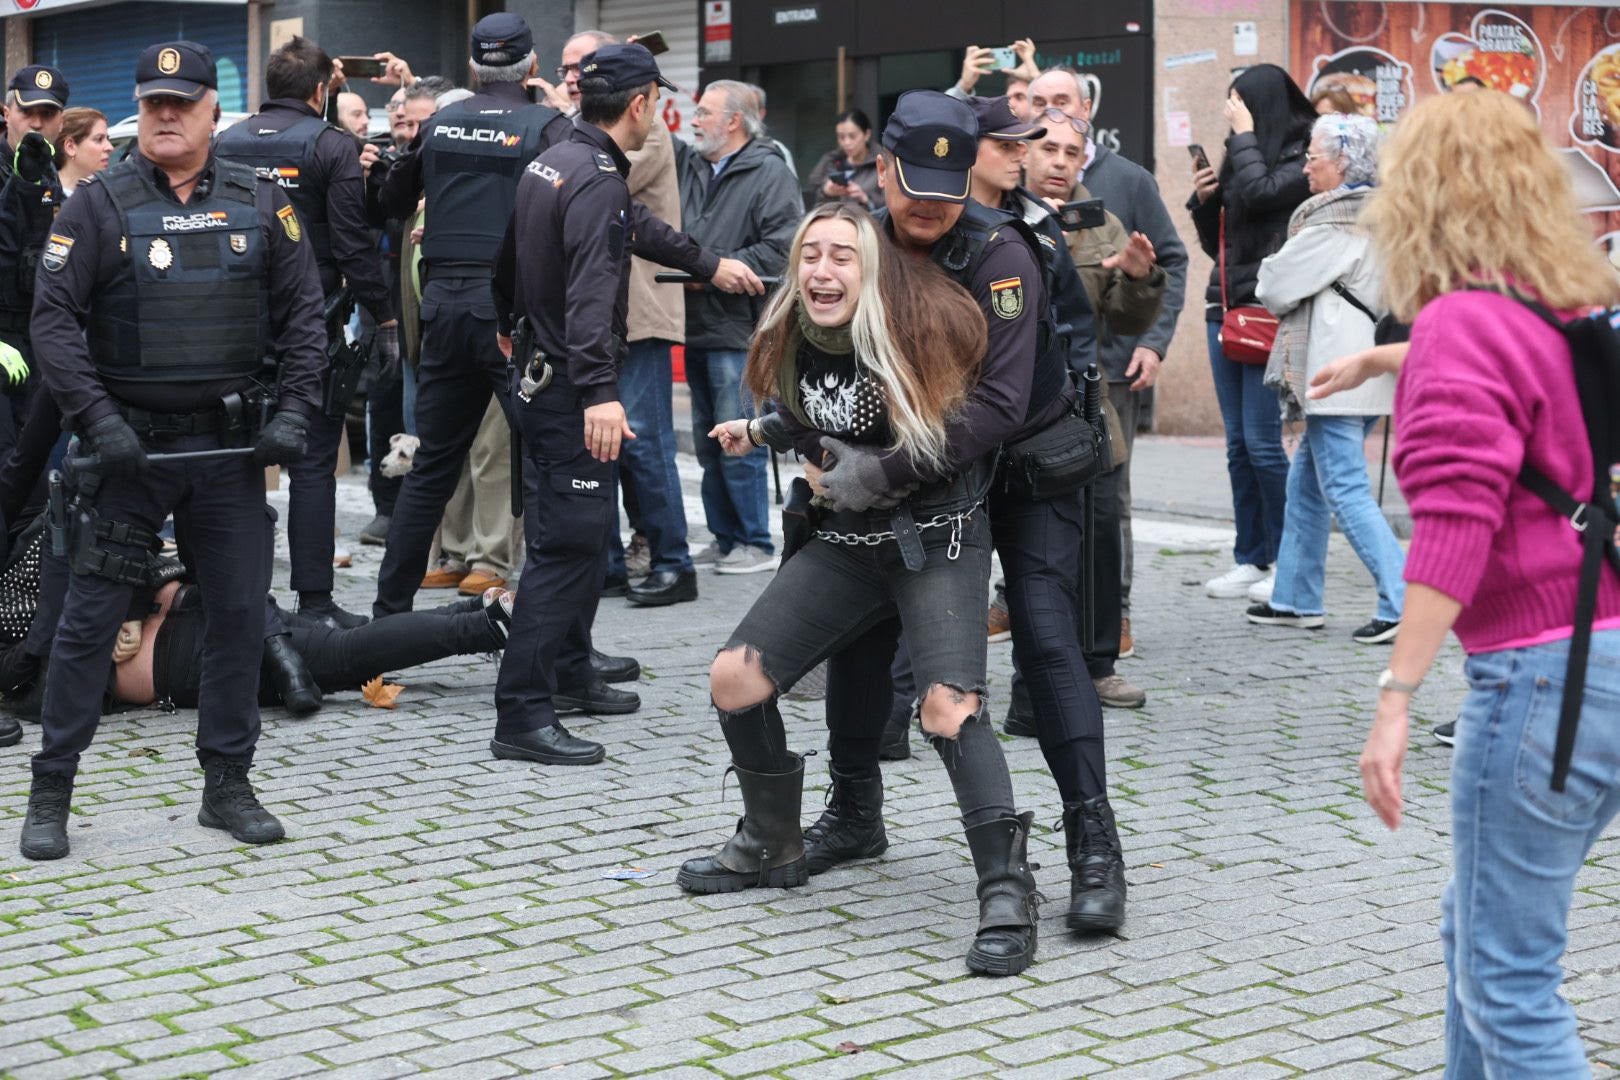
{"points": [[801, 104]]}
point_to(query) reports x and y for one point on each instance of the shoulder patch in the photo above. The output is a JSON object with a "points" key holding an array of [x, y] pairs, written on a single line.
{"points": [[1007, 297], [57, 250], [605, 163], [289, 223]]}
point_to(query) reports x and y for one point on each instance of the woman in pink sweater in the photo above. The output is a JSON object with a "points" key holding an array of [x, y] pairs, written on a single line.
{"points": [[1473, 199]]}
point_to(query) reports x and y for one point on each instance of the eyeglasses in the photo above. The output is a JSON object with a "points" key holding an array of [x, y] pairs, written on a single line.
{"points": [[564, 69], [700, 113], [396, 104], [1058, 116], [1311, 156]]}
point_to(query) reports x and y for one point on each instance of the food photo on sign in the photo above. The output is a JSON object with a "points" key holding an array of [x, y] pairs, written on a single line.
{"points": [[1562, 62]]}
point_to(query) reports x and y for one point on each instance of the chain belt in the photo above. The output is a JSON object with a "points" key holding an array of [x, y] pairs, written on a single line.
{"points": [[938, 521]]}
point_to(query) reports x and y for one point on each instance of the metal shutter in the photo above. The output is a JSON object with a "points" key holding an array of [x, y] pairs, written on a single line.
{"points": [[96, 48], [678, 19]]}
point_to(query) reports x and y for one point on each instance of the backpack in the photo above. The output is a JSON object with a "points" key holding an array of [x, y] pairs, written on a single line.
{"points": [[1594, 346]]}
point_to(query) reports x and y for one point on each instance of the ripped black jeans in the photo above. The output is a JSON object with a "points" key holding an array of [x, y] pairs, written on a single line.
{"points": [[830, 595]]}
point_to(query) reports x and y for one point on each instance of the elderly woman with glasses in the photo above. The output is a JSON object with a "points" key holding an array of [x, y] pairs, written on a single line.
{"points": [[1323, 285]]}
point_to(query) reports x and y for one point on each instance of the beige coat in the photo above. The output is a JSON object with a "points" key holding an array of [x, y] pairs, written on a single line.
{"points": [[656, 311]]}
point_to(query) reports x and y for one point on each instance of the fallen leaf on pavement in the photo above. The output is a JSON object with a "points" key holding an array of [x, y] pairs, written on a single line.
{"points": [[143, 751], [380, 695], [849, 1048]]}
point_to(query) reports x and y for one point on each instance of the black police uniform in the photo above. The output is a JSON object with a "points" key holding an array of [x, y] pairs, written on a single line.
{"points": [[572, 236], [467, 160], [26, 212], [318, 166], [159, 310]]}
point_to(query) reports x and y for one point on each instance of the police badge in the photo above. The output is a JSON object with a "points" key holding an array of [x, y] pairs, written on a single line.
{"points": [[1007, 297], [239, 243], [160, 254]]}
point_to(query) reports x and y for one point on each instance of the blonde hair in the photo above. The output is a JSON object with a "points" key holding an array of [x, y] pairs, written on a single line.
{"points": [[1471, 194], [919, 334]]}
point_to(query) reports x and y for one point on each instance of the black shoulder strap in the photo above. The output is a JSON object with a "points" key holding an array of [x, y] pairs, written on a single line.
{"points": [[1350, 298], [235, 181], [1595, 520]]}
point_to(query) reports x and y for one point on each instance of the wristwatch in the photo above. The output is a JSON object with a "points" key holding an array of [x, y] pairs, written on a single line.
{"points": [[1388, 681]]}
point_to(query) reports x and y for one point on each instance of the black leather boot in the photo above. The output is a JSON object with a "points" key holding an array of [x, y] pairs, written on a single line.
{"points": [[1020, 712], [10, 731], [230, 803], [289, 676], [852, 825], [1096, 866], [767, 850], [44, 831], [1007, 899]]}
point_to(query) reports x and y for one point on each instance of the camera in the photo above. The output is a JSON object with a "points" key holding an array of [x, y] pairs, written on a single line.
{"points": [[1085, 214]]}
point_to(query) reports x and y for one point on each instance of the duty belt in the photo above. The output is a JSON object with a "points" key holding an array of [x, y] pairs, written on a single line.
{"points": [[148, 424], [13, 321], [465, 270]]}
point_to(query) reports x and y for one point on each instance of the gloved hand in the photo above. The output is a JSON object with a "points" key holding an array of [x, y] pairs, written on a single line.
{"points": [[114, 442], [854, 478], [13, 364], [32, 158], [283, 440], [387, 343]]}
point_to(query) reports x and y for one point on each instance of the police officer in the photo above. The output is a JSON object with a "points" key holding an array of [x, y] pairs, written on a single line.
{"points": [[174, 274], [466, 160], [1024, 390], [565, 267], [318, 166], [29, 202]]}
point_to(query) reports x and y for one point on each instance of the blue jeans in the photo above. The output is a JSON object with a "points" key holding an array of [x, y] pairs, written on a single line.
{"points": [[736, 496], [1255, 459], [1516, 848], [645, 386], [1328, 479]]}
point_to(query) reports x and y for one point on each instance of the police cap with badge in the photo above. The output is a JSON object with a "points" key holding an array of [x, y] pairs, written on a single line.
{"points": [[37, 85], [619, 67], [182, 69], [934, 140]]}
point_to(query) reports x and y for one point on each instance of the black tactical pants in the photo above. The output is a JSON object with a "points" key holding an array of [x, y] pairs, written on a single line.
{"points": [[461, 367], [312, 507], [568, 514], [219, 511]]}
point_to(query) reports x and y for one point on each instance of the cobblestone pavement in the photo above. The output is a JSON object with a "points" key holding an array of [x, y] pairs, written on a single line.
{"points": [[436, 910]]}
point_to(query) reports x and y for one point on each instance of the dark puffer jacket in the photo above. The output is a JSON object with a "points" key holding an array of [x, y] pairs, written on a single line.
{"points": [[1259, 200]]}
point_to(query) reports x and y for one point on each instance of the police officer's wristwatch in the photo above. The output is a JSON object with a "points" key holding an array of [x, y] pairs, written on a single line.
{"points": [[1388, 681]]}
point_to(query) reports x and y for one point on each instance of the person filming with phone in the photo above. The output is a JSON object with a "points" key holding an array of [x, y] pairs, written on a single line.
{"points": [[848, 172]]}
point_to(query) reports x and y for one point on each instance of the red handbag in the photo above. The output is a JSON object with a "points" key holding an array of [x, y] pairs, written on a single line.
{"points": [[1247, 332]]}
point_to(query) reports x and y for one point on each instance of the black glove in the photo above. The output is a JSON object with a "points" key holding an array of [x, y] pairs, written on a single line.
{"points": [[387, 344], [854, 478], [283, 440], [116, 447], [32, 159]]}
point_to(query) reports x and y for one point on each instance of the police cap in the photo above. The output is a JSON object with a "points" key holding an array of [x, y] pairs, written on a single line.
{"points": [[619, 67], [998, 121], [934, 139], [37, 84], [504, 35], [182, 69]]}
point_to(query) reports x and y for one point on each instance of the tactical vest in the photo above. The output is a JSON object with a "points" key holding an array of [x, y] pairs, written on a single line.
{"points": [[287, 158], [960, 252], [191, 299], [472, 158]]}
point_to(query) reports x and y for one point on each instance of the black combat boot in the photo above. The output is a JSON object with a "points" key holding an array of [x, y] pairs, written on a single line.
{"points": [[1020, 720], [1096, 866], [852, 825], [767, 850], [10, 731], [1007, 898], [289, 676], [229, 803], [44, 831]]}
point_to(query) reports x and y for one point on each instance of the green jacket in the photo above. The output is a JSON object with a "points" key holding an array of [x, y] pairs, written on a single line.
{"points": [[1124, 307]]}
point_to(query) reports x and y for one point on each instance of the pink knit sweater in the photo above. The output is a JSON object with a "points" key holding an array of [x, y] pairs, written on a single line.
{"points": [[1486, 385]]}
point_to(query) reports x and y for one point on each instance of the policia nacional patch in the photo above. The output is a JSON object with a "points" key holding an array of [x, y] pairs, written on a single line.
{"points": [[1007, 297], [289, 223]]}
